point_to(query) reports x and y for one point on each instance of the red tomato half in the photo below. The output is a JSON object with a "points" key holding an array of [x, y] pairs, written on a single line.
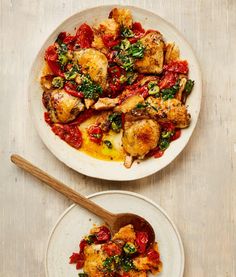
{"points": [[176, 135], [78, 259], [95, 133], [103, 234], [70, 134], [71, 89], [82, 245], [84, 36], [153, 255], [112, 249], [141, 241], [177, 67], [51, 57], [168, 80], [109, 41], [83, 117]]}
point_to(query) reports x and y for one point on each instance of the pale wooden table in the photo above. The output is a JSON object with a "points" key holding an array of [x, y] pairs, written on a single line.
{"points": [[198, 190]]}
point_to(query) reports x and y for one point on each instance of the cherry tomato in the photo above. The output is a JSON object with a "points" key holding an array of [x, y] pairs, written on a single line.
{"points": [[82, 245], [138, 29], [115, 71], [95, 133], [84, 36], [61, 37], [70, 134], [125, 275], [109, 41], [71, 89], [51, 57], [141, 241], [177, 67], [78, 259], [159, 153], [153, 255], [167, 126], [47, 118], [69, 39], [168, 80], [176, 135], [103, 234], [112, 249]]}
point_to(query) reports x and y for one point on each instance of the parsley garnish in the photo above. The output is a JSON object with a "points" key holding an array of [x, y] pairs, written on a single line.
{"points": [[189, 86], [89, 88], [169, 93]]}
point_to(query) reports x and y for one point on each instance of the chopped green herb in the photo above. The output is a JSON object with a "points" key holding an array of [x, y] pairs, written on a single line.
{"points": [[136, 50], [126, 264], [169, 93], [129, 248], [108, 144], [70, 75], [189, 86], [83, 275], [58, 82], [145, 105], [125, 44], [90, 239], [89, 88], [166, 134], [131, 77], [63, 59], [164, 143], [123, 79], [116, 122], [126, 32]]}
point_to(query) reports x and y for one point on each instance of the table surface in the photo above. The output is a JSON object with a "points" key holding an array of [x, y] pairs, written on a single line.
{"points": [[197, 190]]}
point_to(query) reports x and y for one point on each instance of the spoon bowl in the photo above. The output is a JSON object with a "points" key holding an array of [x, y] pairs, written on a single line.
{"points": [[114, 221]]}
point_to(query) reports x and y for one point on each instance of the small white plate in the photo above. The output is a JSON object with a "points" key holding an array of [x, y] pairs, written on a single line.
{"points": [[86, 164], [76, 222]]}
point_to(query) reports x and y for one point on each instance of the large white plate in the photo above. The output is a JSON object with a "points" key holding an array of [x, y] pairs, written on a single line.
{"points": [[82, 162], [76, 222]]}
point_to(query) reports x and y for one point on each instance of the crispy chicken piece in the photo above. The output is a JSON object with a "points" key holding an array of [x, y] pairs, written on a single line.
{"points": [[122, 16], [126, 234], [140, 135], [129, 103], [46, 82], [93, 63], [143, 263], [105, 103], [170, 110], [108, 27], [94, 258], [63, 107], [172, 52], [133, 273], [152, 62]]}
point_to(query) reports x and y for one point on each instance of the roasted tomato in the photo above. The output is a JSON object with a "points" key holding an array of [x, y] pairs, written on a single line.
{"points": [[141, 241], [168, 80], [177, 67], [109, 41], [112, 249], [71, 89], [51, 57], [176, 134], [103, 234], [95, 133], [78, 259], [153, 255], [69, 133], [85, 36], [138, 32], [82, 245]]}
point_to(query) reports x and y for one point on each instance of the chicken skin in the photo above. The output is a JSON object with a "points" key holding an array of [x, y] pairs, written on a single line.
{"points": [[153, 59], [170, 110], [140, 135], [62, 107], [94, 63]]}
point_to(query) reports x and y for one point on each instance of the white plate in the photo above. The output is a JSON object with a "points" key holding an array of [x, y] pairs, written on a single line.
{"points": [[82, 162], [76, 222]]}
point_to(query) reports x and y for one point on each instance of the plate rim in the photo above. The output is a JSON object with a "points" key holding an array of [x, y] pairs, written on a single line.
{"points": [[121, 177], [128, 193]]}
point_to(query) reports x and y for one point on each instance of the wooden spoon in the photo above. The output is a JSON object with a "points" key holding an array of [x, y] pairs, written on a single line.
{"points": [[114, 221]]}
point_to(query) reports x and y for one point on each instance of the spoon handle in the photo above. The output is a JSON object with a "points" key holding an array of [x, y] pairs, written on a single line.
{"points": [[62, 188]]}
